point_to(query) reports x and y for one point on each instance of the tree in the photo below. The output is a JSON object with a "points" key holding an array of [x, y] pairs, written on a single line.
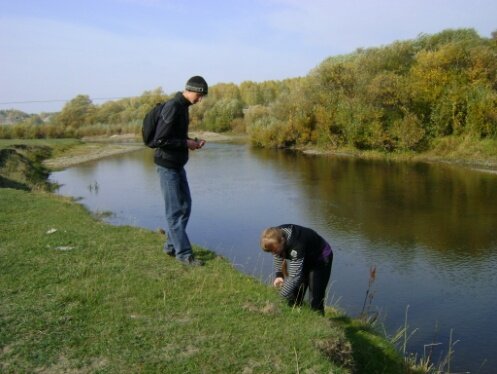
{"points": [[224, 91], [220, 117], [77, 112], [250, 93]]}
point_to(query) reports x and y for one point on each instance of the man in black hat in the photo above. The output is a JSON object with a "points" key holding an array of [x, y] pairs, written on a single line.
{"points": [[170, 158]]}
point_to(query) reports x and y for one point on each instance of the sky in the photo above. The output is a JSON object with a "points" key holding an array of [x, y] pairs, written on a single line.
{"points": [[53, 50]]}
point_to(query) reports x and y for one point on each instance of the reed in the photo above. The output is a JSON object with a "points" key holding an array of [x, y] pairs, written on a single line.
{"points": [[365, 314], [425, 364]]}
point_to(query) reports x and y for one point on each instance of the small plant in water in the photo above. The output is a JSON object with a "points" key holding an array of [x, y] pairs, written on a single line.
{"points": [[93, 187], [366, 315]]}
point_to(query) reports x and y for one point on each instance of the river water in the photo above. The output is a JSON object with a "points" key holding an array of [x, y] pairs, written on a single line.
{"points": [[428, 229]]}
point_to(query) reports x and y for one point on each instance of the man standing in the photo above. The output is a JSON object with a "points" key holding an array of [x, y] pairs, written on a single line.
{"points": [[170, 157]]}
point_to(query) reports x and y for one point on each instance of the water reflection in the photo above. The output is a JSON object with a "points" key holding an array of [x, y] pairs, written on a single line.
{"points": [[427, 228], [444, 208]]}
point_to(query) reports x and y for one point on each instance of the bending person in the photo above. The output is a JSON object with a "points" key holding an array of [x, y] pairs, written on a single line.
{"points": [[309, 258]]}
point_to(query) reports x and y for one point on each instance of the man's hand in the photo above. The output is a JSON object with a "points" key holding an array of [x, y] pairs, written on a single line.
{"points": [[278, 282], [195, 144]]}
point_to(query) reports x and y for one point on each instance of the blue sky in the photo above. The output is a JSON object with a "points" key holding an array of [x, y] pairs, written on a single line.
{"points": [[54, 50]]}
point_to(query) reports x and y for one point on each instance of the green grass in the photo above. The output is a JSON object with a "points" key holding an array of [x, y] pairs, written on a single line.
{"points": [[372, 353], [21, 167], [90, 297]]}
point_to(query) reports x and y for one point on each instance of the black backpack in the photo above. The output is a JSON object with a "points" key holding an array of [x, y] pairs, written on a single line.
{"points": [[150, 124]]}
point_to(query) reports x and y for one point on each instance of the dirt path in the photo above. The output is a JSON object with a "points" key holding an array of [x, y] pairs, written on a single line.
{"points": [[99, 147], [88, 152]]}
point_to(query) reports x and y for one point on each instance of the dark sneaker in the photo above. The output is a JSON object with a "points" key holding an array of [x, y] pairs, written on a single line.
{"points": [[191, 261], [170, 253]]}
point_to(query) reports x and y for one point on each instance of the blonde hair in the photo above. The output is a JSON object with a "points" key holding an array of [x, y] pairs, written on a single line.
{"points": [[271, 235], [274, 235]]}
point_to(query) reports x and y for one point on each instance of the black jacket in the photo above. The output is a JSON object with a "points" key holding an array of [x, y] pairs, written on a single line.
{"points": [[303, 243], [172, 133], [303, 250]]}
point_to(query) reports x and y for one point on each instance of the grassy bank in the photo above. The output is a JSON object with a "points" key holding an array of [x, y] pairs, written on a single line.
{"points": [[460, 151], [21, 166], [79, 295], [50, 154]]}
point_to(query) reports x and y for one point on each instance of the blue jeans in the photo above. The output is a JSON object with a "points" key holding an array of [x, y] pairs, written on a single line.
{"points": [[178, 205]]}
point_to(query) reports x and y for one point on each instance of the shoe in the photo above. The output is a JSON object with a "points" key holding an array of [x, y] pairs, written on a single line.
{"points": [[191, 261], [172, 253]]}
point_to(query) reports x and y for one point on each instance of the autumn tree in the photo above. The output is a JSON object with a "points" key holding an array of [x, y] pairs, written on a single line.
{"points": [[76, 113]]}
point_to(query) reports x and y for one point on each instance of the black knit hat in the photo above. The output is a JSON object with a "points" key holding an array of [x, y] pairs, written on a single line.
{"points": [[197, 84]]}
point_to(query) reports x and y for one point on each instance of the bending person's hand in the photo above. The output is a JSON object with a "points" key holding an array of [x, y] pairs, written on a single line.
{"points": [[278, 282]]}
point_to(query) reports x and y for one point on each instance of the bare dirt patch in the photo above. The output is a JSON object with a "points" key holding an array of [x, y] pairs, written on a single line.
{"points": [[89, 152], [99, 147]]}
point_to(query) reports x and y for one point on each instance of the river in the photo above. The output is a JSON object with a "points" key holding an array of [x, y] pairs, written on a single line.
{"points": [[429, 230]]}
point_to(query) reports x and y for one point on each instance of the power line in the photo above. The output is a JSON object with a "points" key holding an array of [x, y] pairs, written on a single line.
{"points": [[31, 101], [58, 100]]}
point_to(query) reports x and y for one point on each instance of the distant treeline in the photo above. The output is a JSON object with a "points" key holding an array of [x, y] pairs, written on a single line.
{"points": [[401, 96]]}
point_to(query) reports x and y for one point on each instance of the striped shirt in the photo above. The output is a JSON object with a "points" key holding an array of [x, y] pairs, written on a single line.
{"points": [[302, 246]]}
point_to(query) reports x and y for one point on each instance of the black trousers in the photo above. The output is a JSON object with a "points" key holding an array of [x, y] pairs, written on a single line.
{"points": [[315, 280]]}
